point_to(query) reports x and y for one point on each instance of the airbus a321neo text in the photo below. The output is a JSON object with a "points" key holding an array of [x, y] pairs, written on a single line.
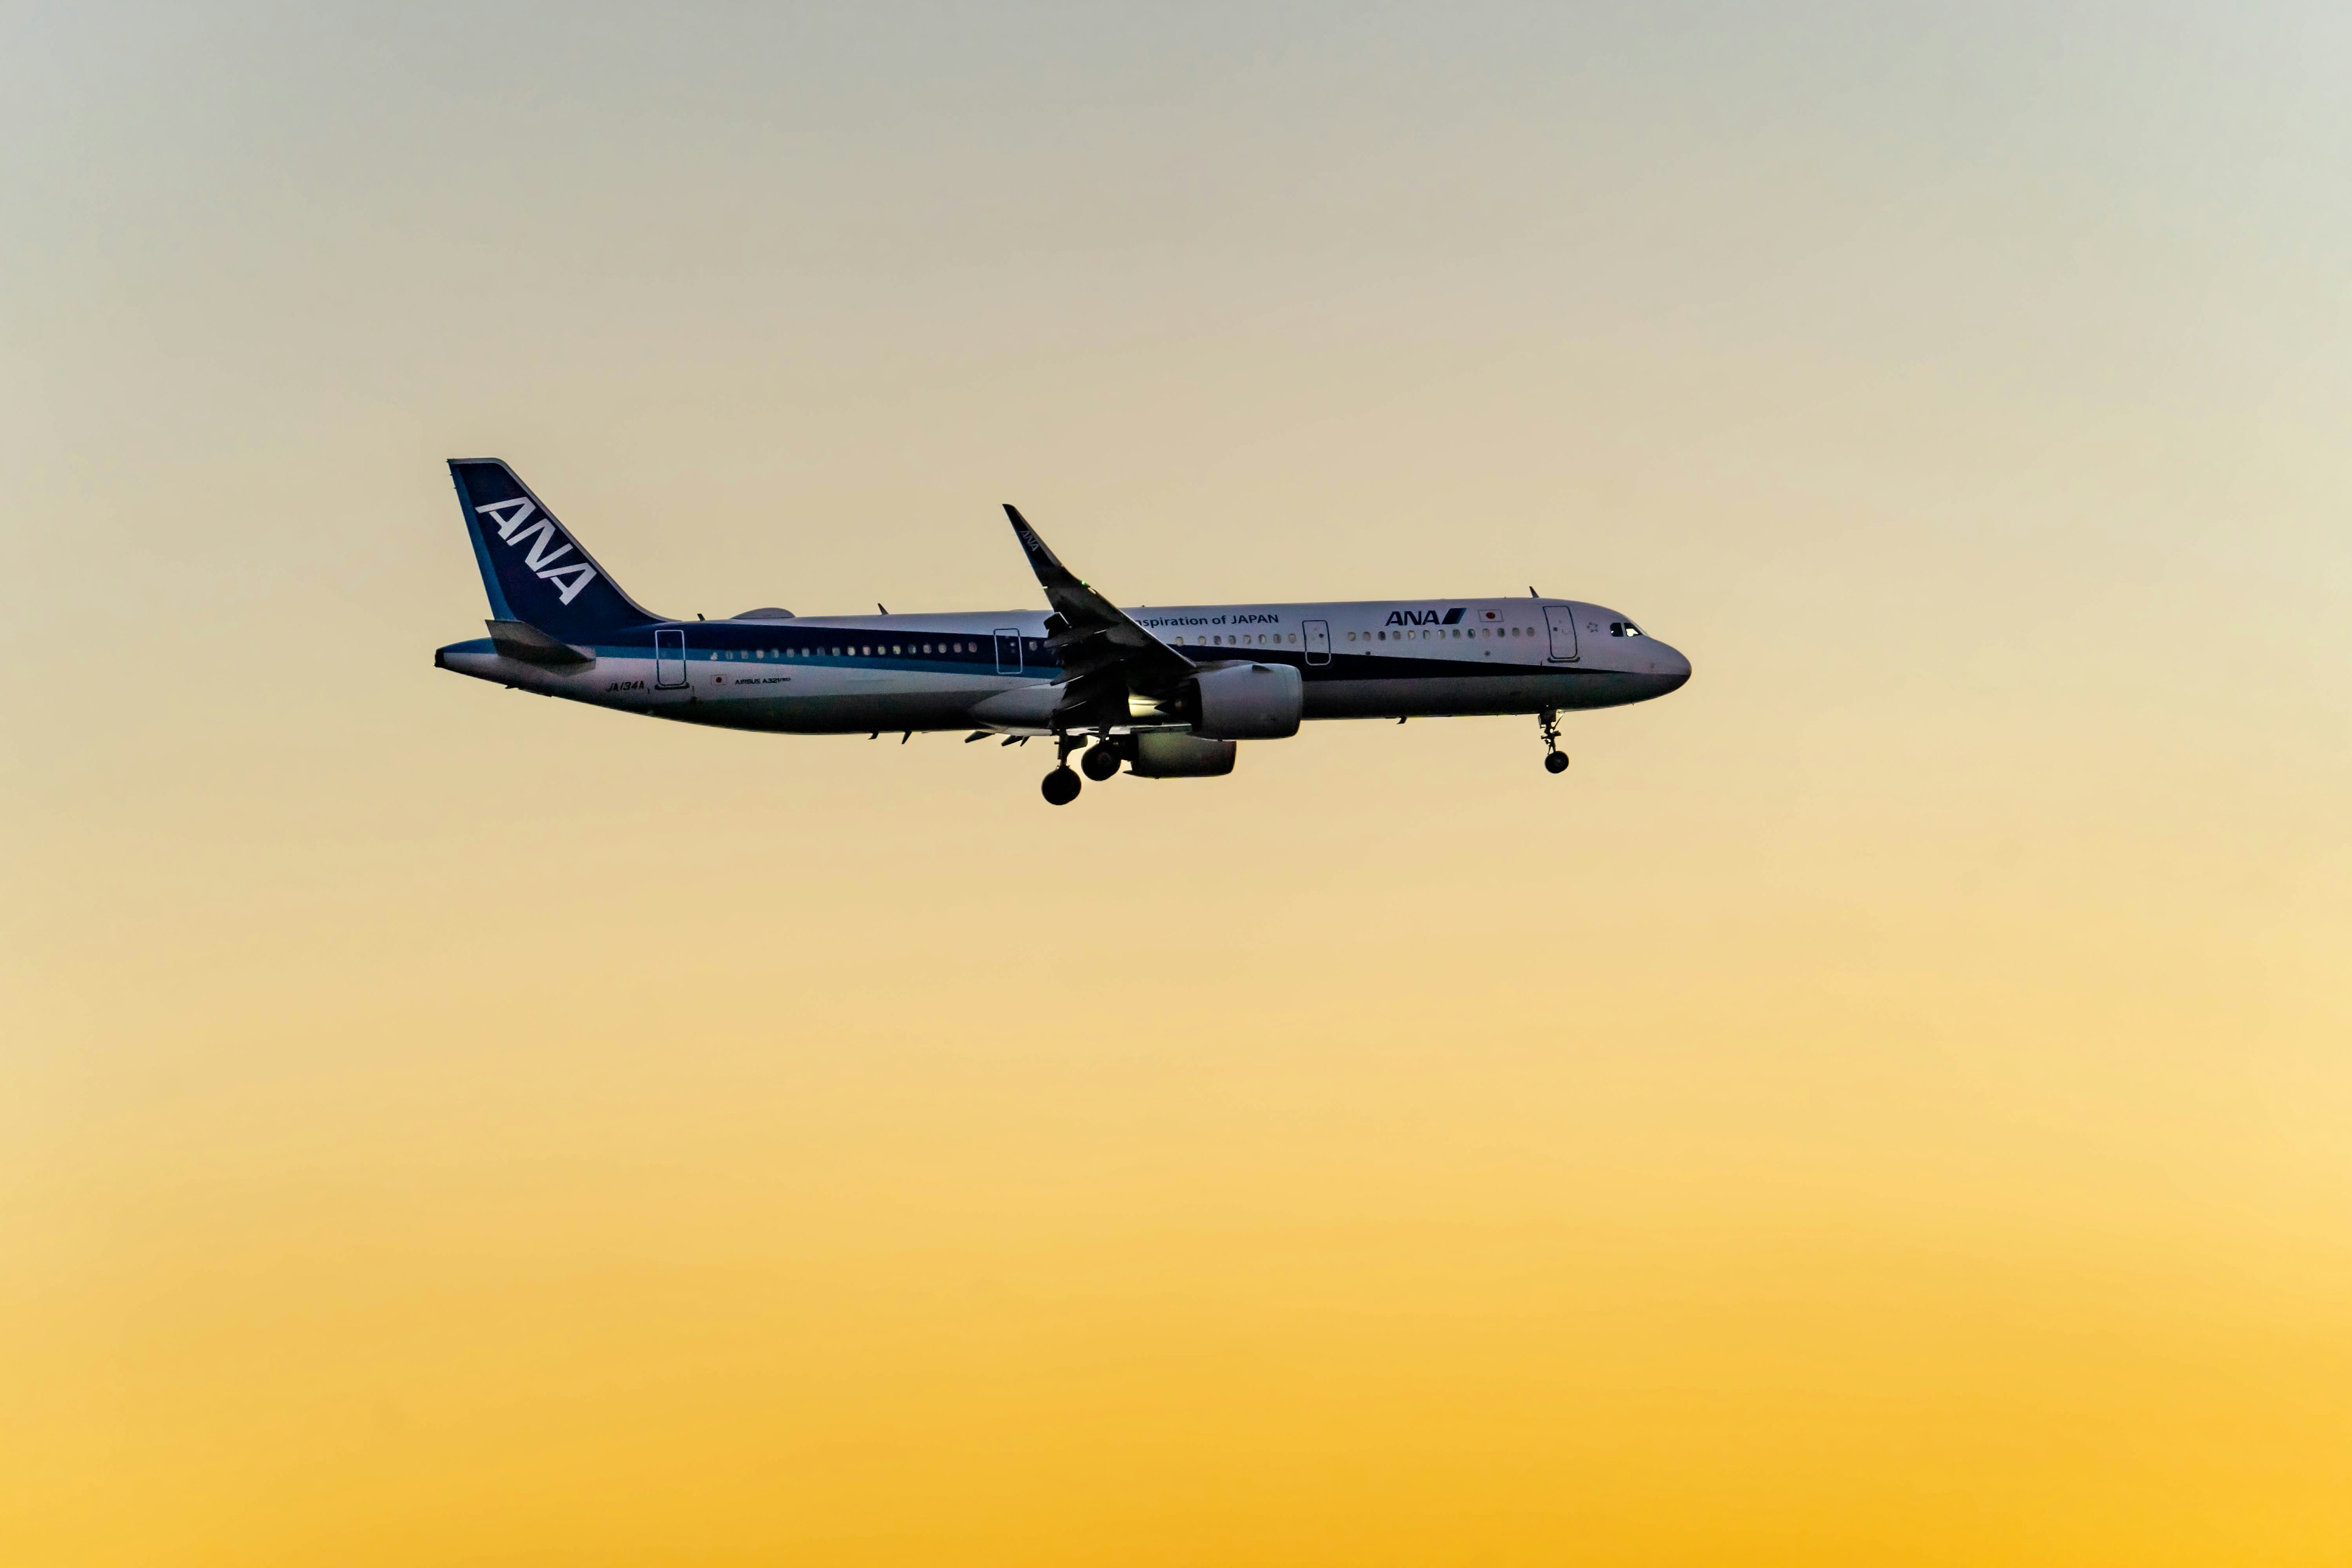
{"points": [[1167, 691]]}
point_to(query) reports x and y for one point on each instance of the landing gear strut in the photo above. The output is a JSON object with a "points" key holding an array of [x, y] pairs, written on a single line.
{"points": [[1061, 786], [1547, 724]]}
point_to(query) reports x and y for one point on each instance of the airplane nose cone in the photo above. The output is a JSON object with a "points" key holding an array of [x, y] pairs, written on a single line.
{"points": [[1673, 670]]}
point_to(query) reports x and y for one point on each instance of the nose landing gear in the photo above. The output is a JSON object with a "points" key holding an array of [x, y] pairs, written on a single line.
{"points": [[1548, 725]]}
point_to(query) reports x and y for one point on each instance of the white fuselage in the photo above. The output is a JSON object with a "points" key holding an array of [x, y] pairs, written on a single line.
{"points": [[1364, 660]]}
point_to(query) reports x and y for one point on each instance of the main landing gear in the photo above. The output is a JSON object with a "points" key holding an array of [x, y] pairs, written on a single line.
{"points": [[1100, 763], [1547, 723], [1061, 786]]}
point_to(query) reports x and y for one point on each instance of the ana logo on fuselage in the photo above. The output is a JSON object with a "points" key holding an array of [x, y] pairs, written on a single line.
{"points": [[510, 516], [1426, 617]]}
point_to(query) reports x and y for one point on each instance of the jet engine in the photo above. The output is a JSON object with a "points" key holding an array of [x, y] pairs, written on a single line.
{"points": [[1172, 754], [1245, 701]]}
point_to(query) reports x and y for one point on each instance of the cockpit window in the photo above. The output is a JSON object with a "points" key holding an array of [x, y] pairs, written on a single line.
{"points": [[1624, 629]]}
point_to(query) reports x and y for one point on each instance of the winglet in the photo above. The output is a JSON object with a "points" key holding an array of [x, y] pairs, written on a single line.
{"points": [[1051, 572], [1095, 637]]}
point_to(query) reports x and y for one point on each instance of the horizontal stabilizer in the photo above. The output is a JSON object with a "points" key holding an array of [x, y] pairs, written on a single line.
{"points": [[522, 640]]}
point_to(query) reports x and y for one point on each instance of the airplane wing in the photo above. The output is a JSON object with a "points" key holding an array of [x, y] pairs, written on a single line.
{"points": [[1106, 656]]}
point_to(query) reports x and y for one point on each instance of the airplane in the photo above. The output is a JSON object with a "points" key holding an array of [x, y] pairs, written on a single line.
{"points": [[1163, 691]]}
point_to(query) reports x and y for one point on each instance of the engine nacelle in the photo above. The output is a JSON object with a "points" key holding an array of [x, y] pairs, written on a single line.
{"points": [[1172, 754], [1246, 702]]}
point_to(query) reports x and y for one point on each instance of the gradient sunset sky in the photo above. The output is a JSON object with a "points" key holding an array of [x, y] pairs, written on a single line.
{"points": [[1890, 1102]]}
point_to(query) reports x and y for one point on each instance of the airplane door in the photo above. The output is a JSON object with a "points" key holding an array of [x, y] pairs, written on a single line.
{"points": [[1008, 651], [1561, 619], [1318, 642], [669, 659]]}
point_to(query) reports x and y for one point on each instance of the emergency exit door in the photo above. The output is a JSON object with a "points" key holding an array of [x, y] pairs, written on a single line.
{"points": [[1318, 641], [669, 659], [1561, 619]]}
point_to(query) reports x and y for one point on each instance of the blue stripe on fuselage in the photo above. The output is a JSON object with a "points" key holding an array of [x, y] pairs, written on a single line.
{"points": [[711, 641]]}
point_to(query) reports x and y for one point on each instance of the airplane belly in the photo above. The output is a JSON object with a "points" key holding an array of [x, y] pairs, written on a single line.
{"points": [[840, 702], [1468, 694]]}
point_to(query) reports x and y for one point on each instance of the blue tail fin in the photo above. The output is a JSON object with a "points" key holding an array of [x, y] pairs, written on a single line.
{"points": [[535, 571]]}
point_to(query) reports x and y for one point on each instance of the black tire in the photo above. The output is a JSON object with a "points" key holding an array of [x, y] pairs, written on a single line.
{"points": [[1061, 786], [1557, 762], [1100, 763]]}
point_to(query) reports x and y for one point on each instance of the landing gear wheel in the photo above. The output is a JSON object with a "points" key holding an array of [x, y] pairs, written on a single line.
{"points": [[1547, 726], [1061, 786], [1100, 763]]}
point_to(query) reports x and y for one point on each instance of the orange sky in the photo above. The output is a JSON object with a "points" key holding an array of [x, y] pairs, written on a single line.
{"points": [[1888, 1103]]}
